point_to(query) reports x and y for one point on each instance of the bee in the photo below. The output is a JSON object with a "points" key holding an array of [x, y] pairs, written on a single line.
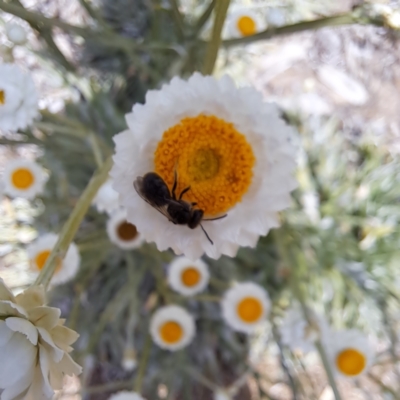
{"points": [[152, 189]]}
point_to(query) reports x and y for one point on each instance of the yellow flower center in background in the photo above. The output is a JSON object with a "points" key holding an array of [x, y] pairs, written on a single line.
{"points": [[127, 231], [209, 155], [246, 25], [22, 178], [171, 332], [249, 309], [190, 276], [350, 362], [2, 97], [41, 259]]}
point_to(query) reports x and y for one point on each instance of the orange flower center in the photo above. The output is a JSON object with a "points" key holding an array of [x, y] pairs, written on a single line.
{"points": [[126, 231], [41, 258], [249, 309], [350, 362], [209, 155], [22, 178], [171, 332], [190, 276], [2, 97], [246, 25]]}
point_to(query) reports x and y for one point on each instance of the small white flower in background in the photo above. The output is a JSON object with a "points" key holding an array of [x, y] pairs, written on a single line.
{"points": [[23, 178], [106, 199], [126, 396], [350, 353], [233, 150], [123, 233], [298, 334], [221, 394], [129, 360], [18, 98], [172, 327], [245, 306], [39, 251], [16, 33], [34, 346], [244, 22], [188, 277]]}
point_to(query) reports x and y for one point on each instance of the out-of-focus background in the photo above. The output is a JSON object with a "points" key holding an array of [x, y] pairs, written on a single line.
{"points": [[340, 87]]}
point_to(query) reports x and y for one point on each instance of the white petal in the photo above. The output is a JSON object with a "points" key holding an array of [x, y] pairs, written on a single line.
{"points": [[5, 293], [23, 326], [68, 366], [18, 389], [44, 317], [17, 360], [5, 333], [56, 353]]}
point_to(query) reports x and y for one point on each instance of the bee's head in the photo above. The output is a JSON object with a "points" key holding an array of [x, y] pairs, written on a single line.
{"points": [[195, 218]]}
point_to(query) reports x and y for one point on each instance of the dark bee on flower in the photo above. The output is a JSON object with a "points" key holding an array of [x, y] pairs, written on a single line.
{"points": [[152, 188]]}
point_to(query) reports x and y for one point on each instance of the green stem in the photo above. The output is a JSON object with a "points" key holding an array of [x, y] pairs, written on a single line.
{"points": [[178, 18], [142, 365], [204, 18], [338, 20], [221, 9], [71, 226], [105, 37]]}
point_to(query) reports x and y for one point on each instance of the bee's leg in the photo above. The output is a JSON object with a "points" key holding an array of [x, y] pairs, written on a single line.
{"points": [[183, 192], [174, 185], [194, 204], [214, 219], [208, 237]]}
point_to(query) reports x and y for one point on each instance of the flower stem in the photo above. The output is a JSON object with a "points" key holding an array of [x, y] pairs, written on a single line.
{"points": [[142, 365], [353, 17], [71, 226], [221, 9]]}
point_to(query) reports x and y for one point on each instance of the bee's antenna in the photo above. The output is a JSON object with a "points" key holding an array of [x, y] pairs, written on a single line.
{"points": [[208, 237]]}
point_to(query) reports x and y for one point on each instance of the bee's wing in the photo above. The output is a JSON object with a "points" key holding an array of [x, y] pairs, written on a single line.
{"points": [[138, 184]]}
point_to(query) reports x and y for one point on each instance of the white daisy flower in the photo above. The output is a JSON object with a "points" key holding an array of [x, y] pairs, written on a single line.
{"points": [[245, 306], [16, 33], [123, 233], [172, 327], [23, 178], [34, 346], [106, 199], [350, 353], [244, 22], [39, 251], [18, 98], [126, 396], [298, 334], [188, 277], [232, 150]]}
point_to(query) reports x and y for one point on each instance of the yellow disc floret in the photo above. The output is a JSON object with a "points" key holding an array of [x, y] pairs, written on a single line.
{"points": [[22, 178], [2, 98], [190, 276], [350, 362], [127, 231], [41, 258], [209, 155], [171, 332], [246, 25], [250, 309]]}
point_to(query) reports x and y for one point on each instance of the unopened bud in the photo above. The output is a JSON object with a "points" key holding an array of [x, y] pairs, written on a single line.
{"points": [[129, 362], [16, 33]]}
